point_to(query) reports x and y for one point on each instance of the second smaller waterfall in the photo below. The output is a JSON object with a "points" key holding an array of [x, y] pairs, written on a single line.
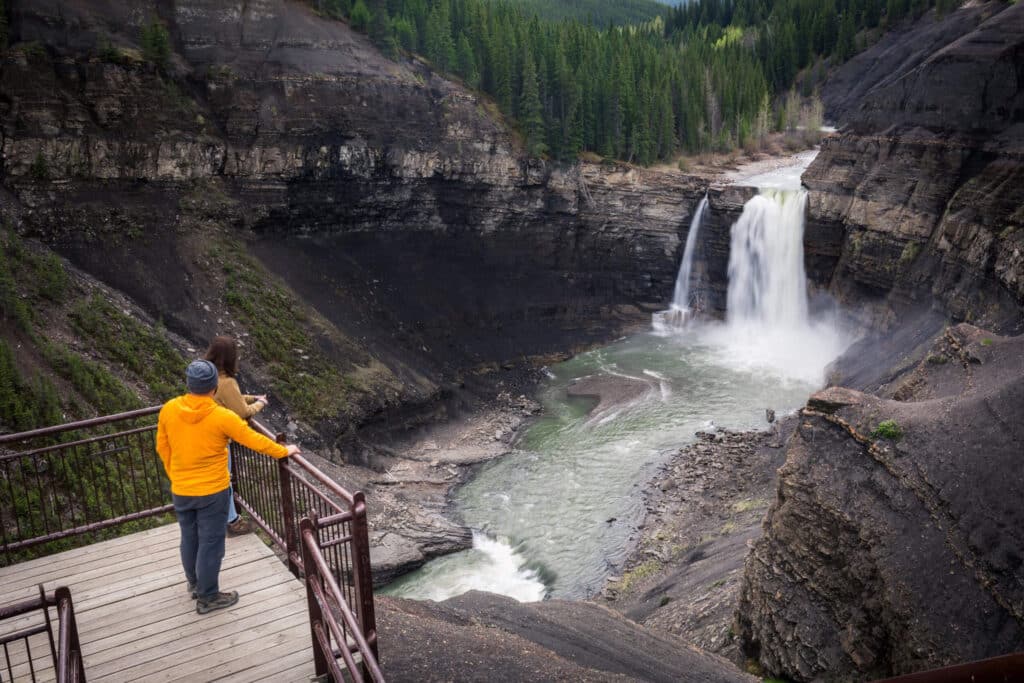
{"points": [[680, 312]]}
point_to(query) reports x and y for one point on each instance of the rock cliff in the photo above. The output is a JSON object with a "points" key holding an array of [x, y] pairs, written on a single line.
{"points": [[891, 546], [370, 232], [894, 542], [925, 176]]}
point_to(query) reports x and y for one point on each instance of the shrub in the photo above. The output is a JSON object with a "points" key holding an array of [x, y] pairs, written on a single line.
{"points": [[156, 44], [360, 17], [887, 429]]}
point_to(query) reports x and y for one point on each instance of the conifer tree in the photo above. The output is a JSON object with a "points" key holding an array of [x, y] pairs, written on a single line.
{"points": [[360, 18], [530, 119], [467, 62]]}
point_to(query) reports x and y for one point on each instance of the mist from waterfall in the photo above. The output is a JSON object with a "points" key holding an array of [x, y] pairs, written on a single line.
{"points": [[768, 324]]}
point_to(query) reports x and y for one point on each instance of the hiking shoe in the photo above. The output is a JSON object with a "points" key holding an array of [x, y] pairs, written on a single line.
{"points": [[192, 590], [238, 527], [219, 601]]}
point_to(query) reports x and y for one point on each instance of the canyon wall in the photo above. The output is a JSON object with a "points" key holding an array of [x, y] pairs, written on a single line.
{"points": [[891, 546], [393, 203]]}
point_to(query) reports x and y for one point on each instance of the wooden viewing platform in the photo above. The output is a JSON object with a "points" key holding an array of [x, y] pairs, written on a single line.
{"points": [[137, 622]]}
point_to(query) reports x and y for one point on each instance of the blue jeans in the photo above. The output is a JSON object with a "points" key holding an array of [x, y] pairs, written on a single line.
{"points": [[202, 520], [232, 512]]}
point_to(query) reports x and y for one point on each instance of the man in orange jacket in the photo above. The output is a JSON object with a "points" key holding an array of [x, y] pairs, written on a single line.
{"points": [[192, 439]]}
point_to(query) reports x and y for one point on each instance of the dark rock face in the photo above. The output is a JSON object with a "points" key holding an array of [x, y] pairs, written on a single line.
{"points": [[486, 637], [889, 555], [925, 178], [385, 196], [884, 556]]}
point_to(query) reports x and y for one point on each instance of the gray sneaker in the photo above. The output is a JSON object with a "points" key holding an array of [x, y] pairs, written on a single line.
{"points": [[192, 590], [219, 601]]}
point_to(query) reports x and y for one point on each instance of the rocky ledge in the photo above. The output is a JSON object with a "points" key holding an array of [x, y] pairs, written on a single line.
{"points": [[704, 508], [894, 543]]}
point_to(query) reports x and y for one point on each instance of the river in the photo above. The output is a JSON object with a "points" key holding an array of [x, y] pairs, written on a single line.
{"points": [[558, 515]]}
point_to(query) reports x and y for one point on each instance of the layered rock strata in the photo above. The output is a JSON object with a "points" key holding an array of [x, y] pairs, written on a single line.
{"points": [[894, 541], [926, 178]]}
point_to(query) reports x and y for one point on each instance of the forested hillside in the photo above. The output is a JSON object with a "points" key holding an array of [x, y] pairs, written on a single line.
{"points": [[600, 13], [712, 76]]}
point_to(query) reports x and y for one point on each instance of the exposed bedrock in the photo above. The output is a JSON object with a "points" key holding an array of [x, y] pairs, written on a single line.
{"points": [[391, 200], [926, 178], [892, 551]]}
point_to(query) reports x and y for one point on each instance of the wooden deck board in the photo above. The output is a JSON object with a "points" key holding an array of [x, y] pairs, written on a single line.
{"points": [[137, 622]]}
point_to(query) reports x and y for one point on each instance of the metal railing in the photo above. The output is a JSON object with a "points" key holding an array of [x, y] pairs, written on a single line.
{"points": [[277, 494], [73, 480], [334, 629], [68, 482], [1004, 669], [65, 654]]}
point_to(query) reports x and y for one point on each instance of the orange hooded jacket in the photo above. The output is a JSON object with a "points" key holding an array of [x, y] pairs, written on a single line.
{"points": [[192, 439]]}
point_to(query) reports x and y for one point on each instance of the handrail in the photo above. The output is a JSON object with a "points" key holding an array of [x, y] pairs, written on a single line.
{"points": [[66, 653], [70, 480], [318, 578], [85, 483], [993, 670], [303, 489], [70, 668], [81, 424]]}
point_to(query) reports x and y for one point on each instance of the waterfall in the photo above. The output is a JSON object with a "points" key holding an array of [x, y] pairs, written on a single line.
{"points": [[767, 322], [680, 311], [767, 282]]}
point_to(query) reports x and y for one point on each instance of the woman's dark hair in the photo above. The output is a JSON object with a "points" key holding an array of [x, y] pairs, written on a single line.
{"points": [[223, 353]]}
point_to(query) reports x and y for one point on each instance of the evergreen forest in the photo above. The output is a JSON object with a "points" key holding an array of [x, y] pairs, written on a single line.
{"points": [[712, 75]]}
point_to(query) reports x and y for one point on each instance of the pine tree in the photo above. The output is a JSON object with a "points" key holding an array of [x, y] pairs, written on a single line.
{"points": [[845, 45], [360, 17], [530, 119], [439, 45], [156, 44], [466, 61], [380, 29]]}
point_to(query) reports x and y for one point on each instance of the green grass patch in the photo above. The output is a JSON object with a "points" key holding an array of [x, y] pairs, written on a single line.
{"points": [[910, 252], [92, 381], [937, 359], [638, 573], [888, 429], [121, 339], [746, 505], [986, 342], [280, 331], [25, 403]]}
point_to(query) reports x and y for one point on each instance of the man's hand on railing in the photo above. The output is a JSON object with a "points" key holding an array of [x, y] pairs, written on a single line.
{"points": [[293, 449]]}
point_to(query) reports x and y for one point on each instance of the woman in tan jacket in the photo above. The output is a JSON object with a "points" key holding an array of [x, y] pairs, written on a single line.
{"points": [[223, 353]]}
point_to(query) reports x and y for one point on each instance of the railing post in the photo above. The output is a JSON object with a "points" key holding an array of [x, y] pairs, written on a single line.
{"points": [[291, 537], [361, 571], [70, 667], [315, 614]]}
